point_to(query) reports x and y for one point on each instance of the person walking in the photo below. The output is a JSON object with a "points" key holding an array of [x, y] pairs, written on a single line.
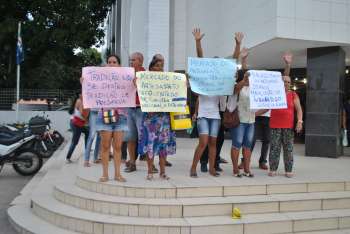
{"points": [[77, 124]]}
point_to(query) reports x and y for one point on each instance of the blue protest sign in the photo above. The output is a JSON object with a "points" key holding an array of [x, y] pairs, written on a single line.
{"points": [[212, 76]]}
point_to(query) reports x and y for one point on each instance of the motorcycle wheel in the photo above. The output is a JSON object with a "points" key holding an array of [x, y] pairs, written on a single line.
{"points": [[57, 138], [27, 163], [45, 153]]}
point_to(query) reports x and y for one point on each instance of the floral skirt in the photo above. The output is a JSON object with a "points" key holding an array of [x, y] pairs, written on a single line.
{"points": [[156, 136]]}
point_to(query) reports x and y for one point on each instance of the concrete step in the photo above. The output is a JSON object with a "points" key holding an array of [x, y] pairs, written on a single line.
{"points": [[24, 221], [71, 195], [202, 187], [74, 219]]}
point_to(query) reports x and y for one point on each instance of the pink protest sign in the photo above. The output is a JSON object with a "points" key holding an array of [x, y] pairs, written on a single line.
{"points": [[108, 87]]}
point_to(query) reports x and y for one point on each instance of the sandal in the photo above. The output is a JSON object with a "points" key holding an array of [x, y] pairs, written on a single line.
{"points": [[164, 176], [120, 178], [103, 179], [289, 174], [215, 174], [193, 174], [149, 176], [248, 174], [87, 164], [272, 173], [238, 175]]}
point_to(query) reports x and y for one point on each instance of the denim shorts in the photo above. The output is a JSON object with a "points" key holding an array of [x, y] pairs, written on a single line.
{"points": [[242, 135], [208, 126], [120, 125], [134, 123]]}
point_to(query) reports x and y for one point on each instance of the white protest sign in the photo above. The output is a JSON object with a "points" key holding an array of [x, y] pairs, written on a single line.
{"points": [[266, 90]]}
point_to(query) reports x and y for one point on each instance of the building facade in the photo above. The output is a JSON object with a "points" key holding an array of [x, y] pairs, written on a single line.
{"points": [[317, 32]]}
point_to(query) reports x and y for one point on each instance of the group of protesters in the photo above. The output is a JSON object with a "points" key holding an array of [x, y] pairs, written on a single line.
{"points": [[149, 133]]}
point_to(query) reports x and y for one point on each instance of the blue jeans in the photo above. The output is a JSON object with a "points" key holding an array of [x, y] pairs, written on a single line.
{"points": [[134, 124], [92, 134], [208, 126], [76, 136], [242, 135]]}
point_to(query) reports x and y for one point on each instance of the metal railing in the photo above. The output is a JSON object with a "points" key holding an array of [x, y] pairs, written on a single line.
{"points": [[56, 97]]}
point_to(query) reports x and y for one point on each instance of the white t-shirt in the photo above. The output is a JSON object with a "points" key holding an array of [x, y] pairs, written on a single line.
{"points": [[228, 102], [208, 107]]}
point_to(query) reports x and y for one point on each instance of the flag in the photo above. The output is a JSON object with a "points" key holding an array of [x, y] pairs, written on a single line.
{"points": [[19, 52]]}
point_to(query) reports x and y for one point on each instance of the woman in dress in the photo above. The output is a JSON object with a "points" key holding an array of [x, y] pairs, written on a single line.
{"points": [[156, 136]]}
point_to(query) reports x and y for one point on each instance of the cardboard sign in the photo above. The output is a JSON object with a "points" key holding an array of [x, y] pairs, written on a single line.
{"points": [[162, 91], [108, 87]]}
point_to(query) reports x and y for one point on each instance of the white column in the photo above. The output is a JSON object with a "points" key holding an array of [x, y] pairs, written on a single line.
{"points": [[158, 30]]}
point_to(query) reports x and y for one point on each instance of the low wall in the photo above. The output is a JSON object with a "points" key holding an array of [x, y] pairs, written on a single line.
{"points": [[59, 119]]}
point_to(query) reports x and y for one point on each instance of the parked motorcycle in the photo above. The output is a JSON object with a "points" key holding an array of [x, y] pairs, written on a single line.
{"points": [[16, 148], [48, 140]]}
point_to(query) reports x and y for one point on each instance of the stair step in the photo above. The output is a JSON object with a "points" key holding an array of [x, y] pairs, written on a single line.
{"points": [[24, 221], [71, 195], [85, 221], [203, 187]]}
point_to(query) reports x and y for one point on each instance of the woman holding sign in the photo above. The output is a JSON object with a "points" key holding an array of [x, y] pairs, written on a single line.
{"points": [[282, 133], [243, 135], [208, 121], [156, 136], [111, 125]]}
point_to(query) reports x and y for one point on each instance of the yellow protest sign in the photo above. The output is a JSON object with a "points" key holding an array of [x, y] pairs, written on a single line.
{"points": [[162, 91]]}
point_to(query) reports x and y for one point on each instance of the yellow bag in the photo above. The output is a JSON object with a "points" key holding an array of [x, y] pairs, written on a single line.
{"points": [[181, 120]]}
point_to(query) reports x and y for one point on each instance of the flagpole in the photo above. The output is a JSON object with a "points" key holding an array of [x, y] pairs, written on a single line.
{"points": [[18, 75]]}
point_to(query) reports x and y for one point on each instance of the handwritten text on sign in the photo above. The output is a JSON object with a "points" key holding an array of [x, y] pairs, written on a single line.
{"points": [[266, 90], [108, 87], [162, 91], [212, 76]]}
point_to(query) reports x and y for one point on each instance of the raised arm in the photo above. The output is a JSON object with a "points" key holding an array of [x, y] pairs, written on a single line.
{"points": [[198, 37], [238, 39], [287, 58], [299, 110], [242, 83], [244, 56]]}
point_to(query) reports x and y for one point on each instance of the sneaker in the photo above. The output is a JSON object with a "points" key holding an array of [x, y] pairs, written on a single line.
{"points": [[130, 168], [68, 161], [204, 167], [263, 166]]}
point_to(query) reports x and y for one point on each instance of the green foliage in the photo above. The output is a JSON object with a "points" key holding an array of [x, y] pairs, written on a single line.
{"points": [[90, 57], [58, 27]]}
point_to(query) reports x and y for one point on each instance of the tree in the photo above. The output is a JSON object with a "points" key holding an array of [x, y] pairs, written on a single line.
{"points": [[55, 29]]}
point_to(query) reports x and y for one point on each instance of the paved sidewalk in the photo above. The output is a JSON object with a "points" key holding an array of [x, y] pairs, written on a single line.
{"points": [[11, 184]]}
